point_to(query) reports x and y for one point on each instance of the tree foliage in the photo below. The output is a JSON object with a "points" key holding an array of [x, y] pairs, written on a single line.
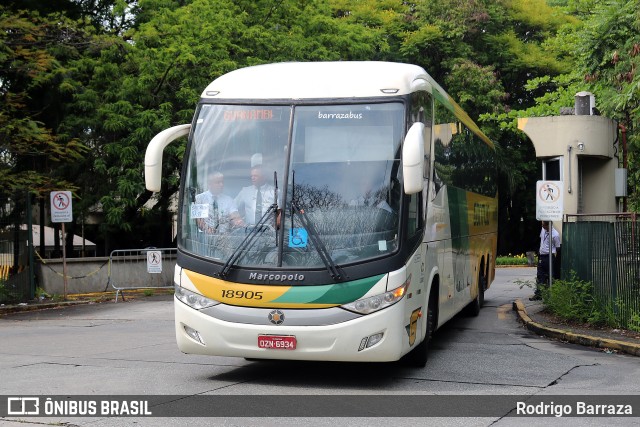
{"points": [[609, 60], [85, 84], [33, 87]]}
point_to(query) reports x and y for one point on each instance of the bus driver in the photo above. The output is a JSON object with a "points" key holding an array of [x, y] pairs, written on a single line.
{"points": [[223, 213]]}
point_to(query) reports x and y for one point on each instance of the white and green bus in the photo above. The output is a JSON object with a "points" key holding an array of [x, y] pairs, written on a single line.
{"points": [[376, 220]]}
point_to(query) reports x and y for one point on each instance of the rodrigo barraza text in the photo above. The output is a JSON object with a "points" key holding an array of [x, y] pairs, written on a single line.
{"points": [[577, 408]]}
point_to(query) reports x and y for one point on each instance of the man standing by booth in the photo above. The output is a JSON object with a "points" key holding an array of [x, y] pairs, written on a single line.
{"points": [[542, 276]]}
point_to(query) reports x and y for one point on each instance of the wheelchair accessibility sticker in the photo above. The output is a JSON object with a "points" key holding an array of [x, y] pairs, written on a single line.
{"points": [[298, 238]]}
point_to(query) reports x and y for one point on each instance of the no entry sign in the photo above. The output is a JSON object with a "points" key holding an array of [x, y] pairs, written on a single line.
{"points": [[549, 200], [61, 206]]}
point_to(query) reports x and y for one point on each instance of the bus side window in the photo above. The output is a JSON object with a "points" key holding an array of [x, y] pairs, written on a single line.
{"points": [[422, 111], [415, 217]]}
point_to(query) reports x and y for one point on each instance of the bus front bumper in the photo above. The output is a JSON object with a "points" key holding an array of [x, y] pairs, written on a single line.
{"points": [[338, 342]]}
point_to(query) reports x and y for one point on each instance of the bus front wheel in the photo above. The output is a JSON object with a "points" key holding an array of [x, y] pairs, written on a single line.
{"points": [[417, 357]]}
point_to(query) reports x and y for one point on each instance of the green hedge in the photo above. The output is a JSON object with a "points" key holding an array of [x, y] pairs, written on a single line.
{"points": [[512, 260]]}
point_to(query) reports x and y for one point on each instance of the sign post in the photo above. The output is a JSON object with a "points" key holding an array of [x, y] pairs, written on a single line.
{"points": [[549, 207], [61, 211], [154, 261]]}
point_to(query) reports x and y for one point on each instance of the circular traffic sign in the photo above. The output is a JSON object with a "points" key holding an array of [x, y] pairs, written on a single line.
{"points": [[61, 200], [549, 193]]}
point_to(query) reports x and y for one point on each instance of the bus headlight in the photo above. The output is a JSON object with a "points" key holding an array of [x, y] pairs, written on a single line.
{"points": [[194, 300], [376, 302]]}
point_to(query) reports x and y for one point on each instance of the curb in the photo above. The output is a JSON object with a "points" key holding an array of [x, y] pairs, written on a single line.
{"points": [[35, 307], [560, 334], [93, 298]]}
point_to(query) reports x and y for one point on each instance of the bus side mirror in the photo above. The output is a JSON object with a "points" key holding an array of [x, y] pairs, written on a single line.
{"points": [[153, 156], [413, 159]]}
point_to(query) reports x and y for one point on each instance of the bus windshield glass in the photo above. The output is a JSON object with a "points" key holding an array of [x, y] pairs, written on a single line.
{"points": [[343, 190], [343, 177]]}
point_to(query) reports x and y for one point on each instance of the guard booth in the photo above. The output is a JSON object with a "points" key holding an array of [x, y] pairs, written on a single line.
{"points": [[582, 150], [599, 242]]}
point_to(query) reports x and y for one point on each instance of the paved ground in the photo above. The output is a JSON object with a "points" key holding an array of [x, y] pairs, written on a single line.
{"points": [[129, 349], [532, 313]]}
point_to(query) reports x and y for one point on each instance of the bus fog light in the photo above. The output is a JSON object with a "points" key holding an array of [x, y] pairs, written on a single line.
{"points": [[374, 339], [363, 344], [193, 334]]}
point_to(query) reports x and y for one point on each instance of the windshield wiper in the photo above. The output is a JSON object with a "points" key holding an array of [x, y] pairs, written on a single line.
{"points": [[275, 204], [334, 270], [273, 208]]}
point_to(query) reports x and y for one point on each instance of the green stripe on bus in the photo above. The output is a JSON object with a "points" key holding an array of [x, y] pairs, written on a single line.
{"points": [[339, 293], [459, 216]]}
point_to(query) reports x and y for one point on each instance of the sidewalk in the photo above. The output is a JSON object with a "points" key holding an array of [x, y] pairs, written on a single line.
{"points": [[531, 315], [77, 299]]}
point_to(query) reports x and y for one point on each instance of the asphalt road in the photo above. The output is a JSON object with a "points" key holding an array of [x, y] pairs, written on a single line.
{"points": [[128, 348]]}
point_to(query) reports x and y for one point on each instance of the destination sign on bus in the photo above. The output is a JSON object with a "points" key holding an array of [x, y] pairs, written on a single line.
{"points": [[253, 114]]}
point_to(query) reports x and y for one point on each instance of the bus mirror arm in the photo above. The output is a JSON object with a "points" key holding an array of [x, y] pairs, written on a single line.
{"points": [[413, 159], [153, 155]]}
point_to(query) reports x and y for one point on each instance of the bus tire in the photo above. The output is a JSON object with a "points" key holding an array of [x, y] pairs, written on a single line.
{"points": [[417, 358], [473, 309]]}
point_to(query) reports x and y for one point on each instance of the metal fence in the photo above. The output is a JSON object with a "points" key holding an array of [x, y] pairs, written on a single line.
{"points": [[604, 249], [149, 268], [16, 275]]}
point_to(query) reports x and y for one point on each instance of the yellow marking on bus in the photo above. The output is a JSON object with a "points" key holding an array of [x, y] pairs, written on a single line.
{"points": [[413, 325], [245, 295]]}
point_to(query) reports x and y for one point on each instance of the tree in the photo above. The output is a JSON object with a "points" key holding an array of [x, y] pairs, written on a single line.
{"points": [[121, 71], [482, 51], [33, 86], [609, 57], [152, 77], [605, 48]]}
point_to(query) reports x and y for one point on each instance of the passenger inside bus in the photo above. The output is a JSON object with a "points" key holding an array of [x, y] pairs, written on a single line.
{"points": [[254, 200], [223, 213]]}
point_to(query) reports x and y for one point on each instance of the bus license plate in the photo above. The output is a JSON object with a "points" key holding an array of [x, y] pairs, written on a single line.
{"points": [[277, 342]]}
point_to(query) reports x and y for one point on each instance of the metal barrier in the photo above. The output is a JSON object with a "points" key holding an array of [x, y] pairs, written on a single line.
{"points": [[149, 268], [604, 249]]}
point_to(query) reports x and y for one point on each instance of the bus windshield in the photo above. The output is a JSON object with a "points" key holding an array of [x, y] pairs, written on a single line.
{"points": [[337, 194]]}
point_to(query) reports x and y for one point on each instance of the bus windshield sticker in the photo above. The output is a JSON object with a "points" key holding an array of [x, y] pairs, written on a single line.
{"points": [[199, 210], [298, 238], [340, 116]]}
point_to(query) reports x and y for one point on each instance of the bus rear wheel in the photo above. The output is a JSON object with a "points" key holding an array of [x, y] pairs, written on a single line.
{"points": [[473, 309]]}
